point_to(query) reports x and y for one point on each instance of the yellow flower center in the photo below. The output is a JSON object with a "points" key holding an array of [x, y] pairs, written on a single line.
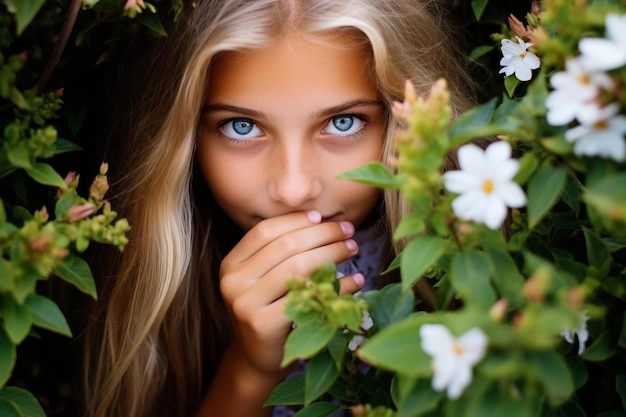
{"points": [[458, 350], [584, 79], [488, 186], [522, 55], [601, 125]]}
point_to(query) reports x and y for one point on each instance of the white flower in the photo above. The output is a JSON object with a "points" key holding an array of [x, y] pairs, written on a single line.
{"points": [[516, 59], [453, 359], [358, 340], [599, 54], [581, 333], [601, 135], [574, 94], [485, 183]]}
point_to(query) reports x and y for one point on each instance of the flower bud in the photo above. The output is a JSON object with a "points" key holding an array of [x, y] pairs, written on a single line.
{"points": [[78, 213]]}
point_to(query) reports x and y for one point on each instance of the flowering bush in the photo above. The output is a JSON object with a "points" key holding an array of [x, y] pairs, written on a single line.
{"points": [[531, 316]]}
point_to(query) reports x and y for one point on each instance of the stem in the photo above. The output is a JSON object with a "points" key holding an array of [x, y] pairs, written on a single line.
{"points": [[66, 30]]}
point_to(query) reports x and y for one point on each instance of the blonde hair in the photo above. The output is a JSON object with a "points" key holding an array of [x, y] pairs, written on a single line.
{"points": [[158, 332]]}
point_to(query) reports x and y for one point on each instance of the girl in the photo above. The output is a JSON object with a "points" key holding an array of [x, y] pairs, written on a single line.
{"points": [[253, 108]]}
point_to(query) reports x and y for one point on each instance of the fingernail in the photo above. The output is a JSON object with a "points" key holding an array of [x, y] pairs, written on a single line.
{"points": [[359, 279], [314, 216], [351, 245], [347, 228]]}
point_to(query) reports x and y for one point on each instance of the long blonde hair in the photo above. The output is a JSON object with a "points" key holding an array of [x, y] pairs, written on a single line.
{"points": [[160, 327]]}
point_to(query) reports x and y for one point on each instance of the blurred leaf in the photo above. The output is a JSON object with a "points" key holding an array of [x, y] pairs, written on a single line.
{"points": [[7, 357], [46, 314], [63, 145], [16, 320], [550, 368], [414, 398], [390, 304], [527, 165], [469, 274], [320, 375], [337, 347], [373, 173], [318, 409], [23, 400], [24, 11], [480, 51], [597, 252], [19, 156], [608, 196], [45, 174], [418, 256], [506, 276], [152, 22], [601, 349], [308, 338], [478, 6], [620, 385], [397, 348], [288, 392], [544, 189]]}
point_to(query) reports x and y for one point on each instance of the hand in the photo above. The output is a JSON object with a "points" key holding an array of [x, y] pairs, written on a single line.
{"points": [[254, 275]]}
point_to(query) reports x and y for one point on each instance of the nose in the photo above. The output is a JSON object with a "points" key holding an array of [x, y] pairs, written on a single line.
{"points": [[294, 176]]}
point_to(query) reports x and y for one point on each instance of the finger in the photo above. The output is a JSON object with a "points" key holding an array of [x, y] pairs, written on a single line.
{"points": [[295, 244], [268, 230], [351, 283], [274, 284]]}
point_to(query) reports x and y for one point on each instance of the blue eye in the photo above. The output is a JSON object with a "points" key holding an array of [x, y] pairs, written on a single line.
{"points": [[344, 125], [240, 129]]}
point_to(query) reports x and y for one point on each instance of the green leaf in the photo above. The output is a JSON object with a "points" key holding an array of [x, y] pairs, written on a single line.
{"points": [[152, 22], [320, 376], [418, 256], [374, 173], [17, 320], [337, 347], [478, 6], [506, 277], [24, 10], [608, 197], [19, 156], [45, 174], [46, 314], [510, 84], [601, 349], [9, 409], [597, 252], [288, 392], [24, 400], [544, 189], [63, 145], [527, 165], [550, 368], [308, 338], [75, 270], [480, 51], [397, 348], [620, 385], [414, 398], [473, 123], [469, 274], [410, 224], [318, 409], [7, 358], [389, 305]]}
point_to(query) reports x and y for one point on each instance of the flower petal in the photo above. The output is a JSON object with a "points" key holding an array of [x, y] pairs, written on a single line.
{"points": [[512, 194], [523, 73], [495, 213], [462, 379], [470, 158], [531, 60], [601, 54], [474, 342], [459, 181], [436, 339]]}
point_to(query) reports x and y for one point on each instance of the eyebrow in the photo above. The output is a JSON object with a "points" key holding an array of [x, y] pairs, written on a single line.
{"points": [[326, 112]]}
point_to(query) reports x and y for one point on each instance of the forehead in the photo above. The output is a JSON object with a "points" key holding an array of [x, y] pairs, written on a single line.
{"points": [[295, 64]]}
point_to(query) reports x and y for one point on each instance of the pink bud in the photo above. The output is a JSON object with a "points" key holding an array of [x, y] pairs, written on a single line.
{"points": [[77, 213]]}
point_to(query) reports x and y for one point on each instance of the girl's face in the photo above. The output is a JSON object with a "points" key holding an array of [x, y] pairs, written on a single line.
{"points": [[279, 124]]}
